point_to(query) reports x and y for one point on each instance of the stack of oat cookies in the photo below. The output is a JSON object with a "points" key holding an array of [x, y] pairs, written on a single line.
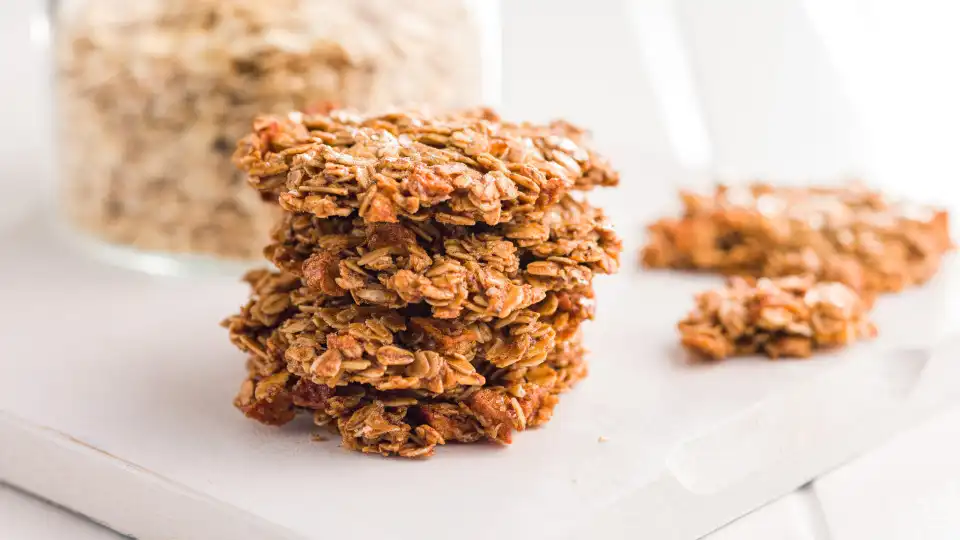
{"points": [[434, 274]]}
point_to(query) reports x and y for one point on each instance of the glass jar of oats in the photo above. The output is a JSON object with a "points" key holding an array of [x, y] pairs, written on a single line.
{"points": [[152, 96]]}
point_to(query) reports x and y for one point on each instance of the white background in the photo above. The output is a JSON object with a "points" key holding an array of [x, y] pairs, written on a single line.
{"points": [[783, 89]]}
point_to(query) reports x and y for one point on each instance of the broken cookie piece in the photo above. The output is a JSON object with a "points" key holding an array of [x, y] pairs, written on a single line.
{"points": [[791, 316]]}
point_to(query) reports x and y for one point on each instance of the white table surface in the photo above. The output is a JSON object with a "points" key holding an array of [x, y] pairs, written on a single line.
{"points": [[23, 517], [906, 489]]}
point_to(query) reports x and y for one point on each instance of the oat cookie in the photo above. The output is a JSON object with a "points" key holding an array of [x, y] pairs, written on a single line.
{"points": [[461, 168], [849, 234], [335, 342], [392, 423], [476, 274]]}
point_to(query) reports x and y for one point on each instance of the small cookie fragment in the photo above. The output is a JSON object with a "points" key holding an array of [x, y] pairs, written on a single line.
{"points": [[791, 316]]}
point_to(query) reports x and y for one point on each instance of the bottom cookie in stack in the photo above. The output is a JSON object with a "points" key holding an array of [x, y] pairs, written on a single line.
{"points": [[398, 382]]}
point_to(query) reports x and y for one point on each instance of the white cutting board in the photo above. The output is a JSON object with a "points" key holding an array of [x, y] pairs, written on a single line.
{"points": [[117, 389]]}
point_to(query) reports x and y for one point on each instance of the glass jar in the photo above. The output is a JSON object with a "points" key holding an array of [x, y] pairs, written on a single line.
{"points": [[152, 96]]}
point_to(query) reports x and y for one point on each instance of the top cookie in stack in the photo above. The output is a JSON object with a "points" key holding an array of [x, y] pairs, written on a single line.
{"points": [[435, 271], [459, 169]]}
